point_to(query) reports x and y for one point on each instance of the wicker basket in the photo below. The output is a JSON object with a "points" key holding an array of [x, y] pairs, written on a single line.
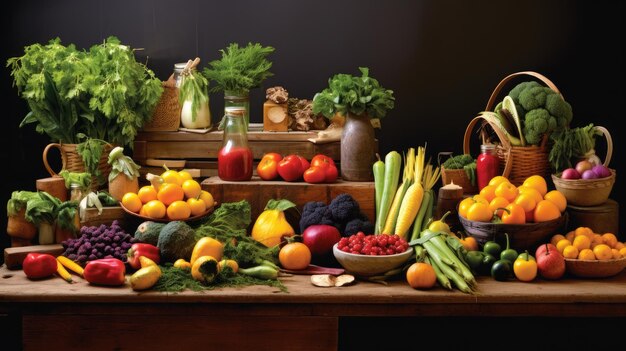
{"points": [[516, 162], [459, 177], [589, 192], [521, 236], [73, 162], [166, 115]]}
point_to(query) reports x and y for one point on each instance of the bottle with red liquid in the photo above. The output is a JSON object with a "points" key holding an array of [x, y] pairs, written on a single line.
{"points": [[487, 165], [234, 160]]}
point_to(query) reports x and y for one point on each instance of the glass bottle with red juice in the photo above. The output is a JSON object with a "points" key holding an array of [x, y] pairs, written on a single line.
{"points": [[487, 165], [234, 160]]}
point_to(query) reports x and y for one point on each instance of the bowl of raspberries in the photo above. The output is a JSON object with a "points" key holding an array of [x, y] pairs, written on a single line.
{"points": [[369, 255]]}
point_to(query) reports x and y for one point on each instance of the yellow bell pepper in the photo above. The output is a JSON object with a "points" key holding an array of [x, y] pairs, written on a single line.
{"points": [[207, 246]]}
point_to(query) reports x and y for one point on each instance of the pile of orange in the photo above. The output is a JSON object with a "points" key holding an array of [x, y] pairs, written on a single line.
{"points": [[583, 244], [173, 195], [500, 200]]}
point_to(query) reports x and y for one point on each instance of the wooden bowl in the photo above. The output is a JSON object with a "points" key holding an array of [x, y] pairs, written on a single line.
{"points": [[595, 268], [521, 236], [365, 265]]}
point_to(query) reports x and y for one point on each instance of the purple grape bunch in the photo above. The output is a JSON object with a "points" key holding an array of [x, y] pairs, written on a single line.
{"points": [[97, 242]]}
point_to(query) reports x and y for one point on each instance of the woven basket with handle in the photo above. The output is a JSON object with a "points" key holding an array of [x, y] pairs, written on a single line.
{"points": [[516, 162], [73, 162], [166, 114]]}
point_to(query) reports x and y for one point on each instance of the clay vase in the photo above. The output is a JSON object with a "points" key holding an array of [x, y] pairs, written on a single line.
{"points": [[358, 149]]}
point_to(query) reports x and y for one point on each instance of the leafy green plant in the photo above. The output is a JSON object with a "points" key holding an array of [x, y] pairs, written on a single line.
{"points": [[240, 68], [347, 94], [76, 95]]}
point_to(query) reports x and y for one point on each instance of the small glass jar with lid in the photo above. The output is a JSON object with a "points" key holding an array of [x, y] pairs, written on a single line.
{"points": [[77, 192], [178, 70], [234, 160]]}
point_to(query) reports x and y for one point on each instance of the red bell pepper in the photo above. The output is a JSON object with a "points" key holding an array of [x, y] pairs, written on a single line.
{"points": [[105, 271], [141, 249], [37, 265]]}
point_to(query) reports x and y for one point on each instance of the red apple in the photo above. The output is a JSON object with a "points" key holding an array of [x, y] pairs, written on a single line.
{"points": [[550, 262]]}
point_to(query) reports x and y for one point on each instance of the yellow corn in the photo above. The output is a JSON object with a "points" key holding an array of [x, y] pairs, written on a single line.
{"points": [[411, 204], [71, 265], [63, 273]]}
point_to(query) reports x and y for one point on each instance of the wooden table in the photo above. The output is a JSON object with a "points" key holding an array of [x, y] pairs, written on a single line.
{"points": [[52, 314]]}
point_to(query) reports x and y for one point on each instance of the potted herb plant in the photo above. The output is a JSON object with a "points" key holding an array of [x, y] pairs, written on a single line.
{"points": [[358, 99], [85, 100], [239, 70]]}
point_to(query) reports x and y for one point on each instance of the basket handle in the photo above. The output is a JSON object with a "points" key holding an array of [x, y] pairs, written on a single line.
{"points": [[45, 158], [503, 139], [503, 82], [609, 144]]}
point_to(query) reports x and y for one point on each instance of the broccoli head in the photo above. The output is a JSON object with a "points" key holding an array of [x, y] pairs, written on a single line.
{"points": [[358, 225], [542, 110], [315, 212]]}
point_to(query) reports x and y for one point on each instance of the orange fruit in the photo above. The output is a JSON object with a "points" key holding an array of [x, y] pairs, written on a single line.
{"points": [[132, 202], [496, 203], [616, 254], [556, 238], [142, 212], [570, 252], [622, 251], [562, 244], [191, 188], [581, 242], [488, 192], [294, 256], [603, 252], [609, 239], [570, 235], [207, 198], [557, 198], [421, 275], [586, 254], [169, 193], [155, 209], [538, 182], [147, 193], [495, 181], [197, 206], [171, 176], [546, 211], [584, 231], [178, 210], [619, 245], [464, 206], [184, 175], [507, 191], [597, 238]]}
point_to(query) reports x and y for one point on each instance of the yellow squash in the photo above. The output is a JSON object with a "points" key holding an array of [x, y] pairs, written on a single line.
{"points": [[207, 246], [271, 225]]}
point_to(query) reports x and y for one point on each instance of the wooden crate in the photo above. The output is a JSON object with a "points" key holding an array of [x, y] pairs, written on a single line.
{"points": [[200, 150], [258, 192]]}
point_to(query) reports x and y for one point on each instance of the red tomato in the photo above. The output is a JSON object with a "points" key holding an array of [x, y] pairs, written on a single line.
{"points": [[267, 168], [304, 162], [321, 159], [331, 174], [315, 174], [273, 155], [290, 168]]}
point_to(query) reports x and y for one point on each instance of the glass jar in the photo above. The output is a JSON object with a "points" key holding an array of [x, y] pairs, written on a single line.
{"points": [[77, 192], [234, 160], [178, 69], [239, 99], [487, 165]]}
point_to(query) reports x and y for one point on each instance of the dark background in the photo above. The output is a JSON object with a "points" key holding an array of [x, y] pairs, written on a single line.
{"points": [[441, 58]]}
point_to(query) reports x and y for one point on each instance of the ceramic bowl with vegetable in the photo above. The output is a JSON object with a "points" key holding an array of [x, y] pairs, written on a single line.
{"points": [[355, 255]]}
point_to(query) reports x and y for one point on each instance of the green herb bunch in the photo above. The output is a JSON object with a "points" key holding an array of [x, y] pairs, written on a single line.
{"points": [[347, 94], [102, 93], [194, 87], [568, 144], [240, 68]]}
